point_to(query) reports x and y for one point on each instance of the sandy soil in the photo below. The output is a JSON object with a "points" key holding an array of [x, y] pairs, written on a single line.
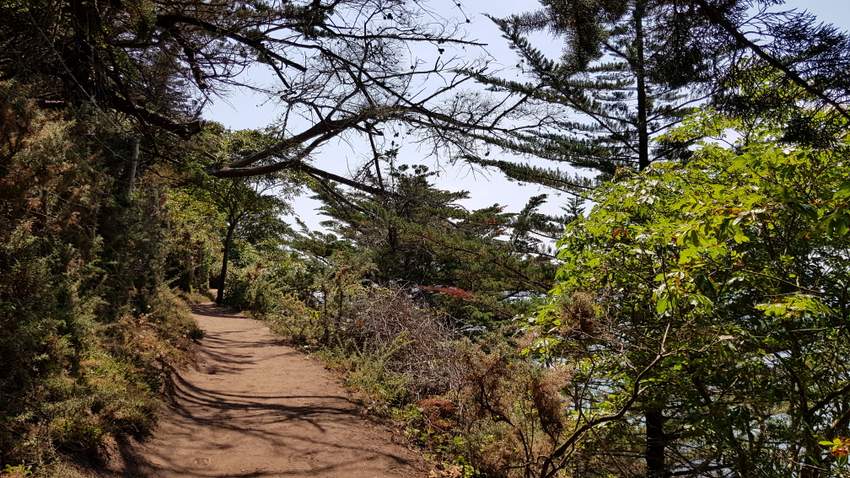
{"points": [[255, 407]]}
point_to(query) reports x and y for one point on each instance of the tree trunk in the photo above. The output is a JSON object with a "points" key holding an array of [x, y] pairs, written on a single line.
{"points": [[656, 442], [642, 97], [813, 465], [132, 167], [79, 83], [190, 273], [228, 243]]}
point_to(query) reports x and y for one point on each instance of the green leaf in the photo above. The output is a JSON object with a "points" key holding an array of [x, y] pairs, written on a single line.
{"points": [[740, 237], [843, 191], [662, 305]]}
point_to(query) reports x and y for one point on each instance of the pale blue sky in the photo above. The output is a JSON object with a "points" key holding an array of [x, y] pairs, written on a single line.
{"points": [[243, 109]]}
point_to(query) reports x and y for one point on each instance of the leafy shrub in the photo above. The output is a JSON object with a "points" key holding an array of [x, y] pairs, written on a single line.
{"points": [[253, 289], [154, 340], [505, 416], [694, 297], [265, 283], [295, 320], [371, 374], [112, 390]]}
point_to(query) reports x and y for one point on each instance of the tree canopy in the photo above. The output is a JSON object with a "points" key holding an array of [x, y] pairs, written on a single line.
{"points": [[631, 70]]}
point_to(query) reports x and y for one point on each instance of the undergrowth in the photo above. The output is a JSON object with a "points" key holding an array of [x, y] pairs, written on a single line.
{"points": [[474, 407], [89, 324], [114, 389]]}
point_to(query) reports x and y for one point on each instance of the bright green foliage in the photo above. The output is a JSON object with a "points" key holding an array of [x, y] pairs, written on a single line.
{"points": [[194, 245], [712, 297], [839, 448], [242, 212], [263, 281]]}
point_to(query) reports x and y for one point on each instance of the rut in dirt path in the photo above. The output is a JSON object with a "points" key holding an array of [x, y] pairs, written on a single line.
{"points": [[255, 407]]}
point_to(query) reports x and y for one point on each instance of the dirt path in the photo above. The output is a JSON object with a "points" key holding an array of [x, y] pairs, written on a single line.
{"points": [[257, 408]]}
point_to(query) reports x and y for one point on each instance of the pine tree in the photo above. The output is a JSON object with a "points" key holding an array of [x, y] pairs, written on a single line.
{"points": [[615, 87], [469, 261], [631, 69]]}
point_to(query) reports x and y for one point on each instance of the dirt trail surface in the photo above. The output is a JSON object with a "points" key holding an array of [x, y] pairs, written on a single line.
{"points": [[257, 408]]}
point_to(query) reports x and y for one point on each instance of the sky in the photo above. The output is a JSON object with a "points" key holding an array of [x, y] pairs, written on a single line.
{"points": [[247, 110]]}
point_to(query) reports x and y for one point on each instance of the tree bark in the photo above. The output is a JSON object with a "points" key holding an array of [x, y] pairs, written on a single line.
{"points": [[642, 97], [228, 244], [132, 167], [656, 442], [190, 272]]}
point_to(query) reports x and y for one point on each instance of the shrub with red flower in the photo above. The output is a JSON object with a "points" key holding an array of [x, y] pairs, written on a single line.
{"points": [[450, 291], [839, 448]]}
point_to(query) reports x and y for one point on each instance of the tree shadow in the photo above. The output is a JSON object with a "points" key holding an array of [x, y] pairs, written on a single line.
{"points": [[212, 310], [319, 434]]}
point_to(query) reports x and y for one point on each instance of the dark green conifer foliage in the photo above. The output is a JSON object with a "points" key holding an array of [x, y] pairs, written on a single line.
{"points": [[419, 236], [631, 69], [619, 82]]}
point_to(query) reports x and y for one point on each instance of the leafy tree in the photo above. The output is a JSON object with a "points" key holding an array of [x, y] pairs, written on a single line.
{"points": [[705, 309], [251, 210], [194, 245]]}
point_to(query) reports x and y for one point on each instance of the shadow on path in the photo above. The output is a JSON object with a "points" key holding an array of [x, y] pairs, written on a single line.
{"points": [[254, 407]]}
